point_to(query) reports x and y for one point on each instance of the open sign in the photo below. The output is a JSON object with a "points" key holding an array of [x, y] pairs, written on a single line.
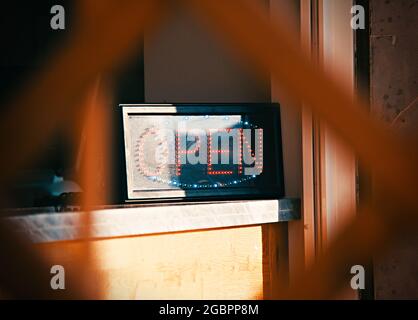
{"points": [[194, 152], [240, 149]]}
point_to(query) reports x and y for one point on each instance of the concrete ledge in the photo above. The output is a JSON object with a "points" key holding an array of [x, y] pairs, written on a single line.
{"points": [[131, 220]]}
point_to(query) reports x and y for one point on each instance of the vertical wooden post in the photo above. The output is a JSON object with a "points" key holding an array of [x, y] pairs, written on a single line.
{"points": [[302, 233]]}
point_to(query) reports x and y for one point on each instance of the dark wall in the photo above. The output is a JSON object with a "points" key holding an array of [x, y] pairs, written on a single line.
{"points": [[28, 43], [394, 90], [27, 40]]}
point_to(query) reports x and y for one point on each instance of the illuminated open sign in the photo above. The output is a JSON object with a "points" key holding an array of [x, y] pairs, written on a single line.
{"points": [[189, 151]]}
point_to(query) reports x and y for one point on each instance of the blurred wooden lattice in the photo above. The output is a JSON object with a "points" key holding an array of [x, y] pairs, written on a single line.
{"points": [[108, 31]]}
